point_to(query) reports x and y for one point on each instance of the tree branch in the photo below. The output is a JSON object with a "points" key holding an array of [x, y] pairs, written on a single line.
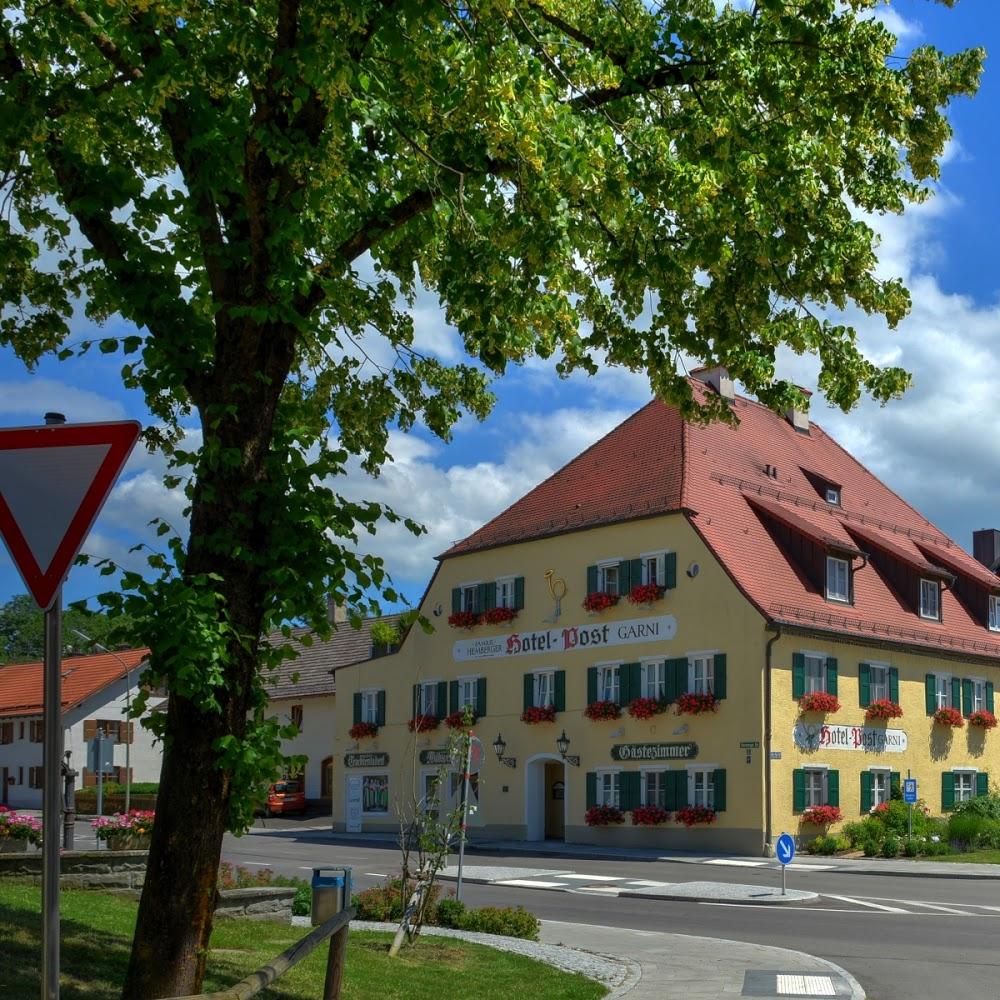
{"points": [[104, 44]]}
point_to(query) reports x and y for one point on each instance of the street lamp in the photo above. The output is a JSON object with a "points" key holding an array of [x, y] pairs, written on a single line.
{"points": [[128, 713], [500, 748], [562, 745]]}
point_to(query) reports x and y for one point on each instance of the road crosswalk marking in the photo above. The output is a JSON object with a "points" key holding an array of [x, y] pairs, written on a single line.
{"points": [[864, 902]]}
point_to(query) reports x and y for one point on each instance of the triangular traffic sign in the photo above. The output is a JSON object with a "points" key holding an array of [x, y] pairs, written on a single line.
{"points": [[53, 482]]}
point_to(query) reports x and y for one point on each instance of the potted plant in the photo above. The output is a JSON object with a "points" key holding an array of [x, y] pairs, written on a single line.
{"points": [[983, 718], [601, 710], [883, 708], [819, 701], [463, 619], [645, 593], [423, 723], [462, 718], [646, 708], [599, 601], [539, 713], [362, 730], [17, 831], [949, 716], [822, 815], [649, 816], [690, 703], [125, 831], [603, 816], [693, 815], [497, 616]]}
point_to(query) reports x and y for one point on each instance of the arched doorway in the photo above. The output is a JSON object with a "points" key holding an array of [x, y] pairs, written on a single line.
{"points": [[326, 780], [545, 798]]}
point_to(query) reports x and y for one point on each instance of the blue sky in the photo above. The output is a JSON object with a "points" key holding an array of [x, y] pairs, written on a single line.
{"points": [[937, 447]]}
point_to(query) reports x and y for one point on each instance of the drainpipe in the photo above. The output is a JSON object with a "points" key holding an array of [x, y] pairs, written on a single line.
{"points": [[767, 739]]}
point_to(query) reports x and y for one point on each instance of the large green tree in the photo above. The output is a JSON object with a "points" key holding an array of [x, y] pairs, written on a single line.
{"points": [[260, 189]]}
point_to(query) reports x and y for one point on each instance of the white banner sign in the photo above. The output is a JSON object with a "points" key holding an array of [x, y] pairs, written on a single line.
{"points": [[868, 739], [354, 786], [561, 640]]}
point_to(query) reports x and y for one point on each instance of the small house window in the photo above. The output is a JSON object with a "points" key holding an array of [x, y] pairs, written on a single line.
{"points": [[544, 689], [470, 597], [942, 691], [608, 789], [428, 698], [833, 495], [654, 679], [995, 612], [930, 599], [701, 787], [369, 707], [700, 674], [654, 788], [505, 592], [881, 787], [965, 785], [815, 673], [297, 717], [838, 587], [468, 692], [879, 680], [607, 578], [608, 683], [816, 786], [978, 695], [653, 568]]}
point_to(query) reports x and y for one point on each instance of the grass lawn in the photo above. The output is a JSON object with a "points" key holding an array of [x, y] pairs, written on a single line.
{"points": [[986, 856], [97, 932]]}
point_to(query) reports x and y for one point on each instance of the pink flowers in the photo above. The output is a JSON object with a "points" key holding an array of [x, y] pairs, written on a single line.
{"points": [[541, 713], [883, 709], [14, 826], [692, 815], [603, 816], [690, 703], [646, 708], [645, 593], [599, 601], [362, 730], [423, 723], [949, 716], [983, 718], [600, 710], [822, 815], [649, 816], [138, 822], [819, 701]]}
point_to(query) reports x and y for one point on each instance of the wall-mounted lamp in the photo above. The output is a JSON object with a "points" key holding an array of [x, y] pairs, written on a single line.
{"points": [[500, 748], [562, 744]]}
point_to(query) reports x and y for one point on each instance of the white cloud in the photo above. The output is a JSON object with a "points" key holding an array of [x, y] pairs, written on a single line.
{"points": [[30, 399]]}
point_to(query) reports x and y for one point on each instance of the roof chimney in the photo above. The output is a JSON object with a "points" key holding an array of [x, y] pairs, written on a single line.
{"points": [[718, 378], [986, 547], [336, 612], [797, 417]]}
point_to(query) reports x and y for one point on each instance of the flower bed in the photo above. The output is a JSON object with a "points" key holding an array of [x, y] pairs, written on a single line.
{"points": [[601, 710], [883, 709], [603, 816], [124, 827], [463, 619], [362, 730], [819, 701], [423, 723], [693, 815], [497, 616], [822, 815], [14, 826], [949, 716], [646, 708], [696, 704], [462, 718], [984, 719], [649, 816], [541, 713], [645, 593], [599, 601]]}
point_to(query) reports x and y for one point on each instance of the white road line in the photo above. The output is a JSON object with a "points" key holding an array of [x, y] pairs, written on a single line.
{"points": [[595, 878], [812, 909], [862, 902], [606, 889], [648, 884], [935, 906], [527, 884], [376, 874], [733, 863]]}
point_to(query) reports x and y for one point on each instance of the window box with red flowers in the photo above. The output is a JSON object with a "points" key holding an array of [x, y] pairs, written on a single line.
{"points": [[601, 710], [822, 815], [646, 708], [539, 713], [694, 815], [497, 616], [463, 619], [883, 709], [645, 593], [362, 730], [461, 719], [690, 703], [984, 719], [603, 816], [949, 716], [423, 723], [599, 601], [649, 816], [819, 701]]}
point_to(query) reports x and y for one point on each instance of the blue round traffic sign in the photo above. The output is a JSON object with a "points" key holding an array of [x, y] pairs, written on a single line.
{"points": [[784, 849]]}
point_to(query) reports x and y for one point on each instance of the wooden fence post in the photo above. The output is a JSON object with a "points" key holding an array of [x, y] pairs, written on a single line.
{"points": [[335, 964]]}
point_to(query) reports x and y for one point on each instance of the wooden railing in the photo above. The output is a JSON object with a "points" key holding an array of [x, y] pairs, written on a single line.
{"points": [[335, 929]]}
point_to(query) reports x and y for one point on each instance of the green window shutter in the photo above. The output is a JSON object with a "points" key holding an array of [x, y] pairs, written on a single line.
{"points": [[894, 685], [481, 696], [380, 709], [591, 579], [670, 570], [453, 696], [719, 789], [895, 782], [947, 791], [591, 789], [956, 692], [624, 576], [719, 679], [675, 678], [831, 675], [519, 593], [635, 571], [798, 675], [865, 683], [529, 691], [629, 789], [982, 783], [930, 693], [833, 788], [798, 790], [357, 707], [442, 699], [482, 590], [591, 685], [489, 595], [681, 675], [866, 791], [633, 673], [560, 701], [966, 697], [676, 789], [456, 599], [989, 696], [416, 699]]}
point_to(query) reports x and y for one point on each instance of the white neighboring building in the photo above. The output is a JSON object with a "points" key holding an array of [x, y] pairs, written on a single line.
{"points": [[95, 693]]}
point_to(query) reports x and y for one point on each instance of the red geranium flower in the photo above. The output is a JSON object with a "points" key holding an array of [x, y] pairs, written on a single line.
{"points": [[423, 723], [497, 616], [949, 716], [883, 709], [603, 816], [599, 601], [983, 718], [691, 815], [362, 730], [822, 815], [542, 713], [649, 816], [646, 708], [645, 593], [603, 710], [819, 701], [696, 704]]}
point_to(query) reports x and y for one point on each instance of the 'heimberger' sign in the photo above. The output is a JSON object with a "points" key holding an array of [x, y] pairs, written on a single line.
{"points": [[562, 640], [654, 751], [868, 739]]}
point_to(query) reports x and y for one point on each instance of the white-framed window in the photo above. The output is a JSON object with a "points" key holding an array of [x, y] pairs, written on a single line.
{"points": [[879, 682], [838, 579], [995, 612], [978, 695], [653, 567], [654, 679], [701, 787], [930, 599], [609, 789], [505, 592], [965, 786], [942, 690], [832, 495], [816, 786], [544, 688], [427, 703], [608, 682], [608, 578], [653, 788], [369, 706], [815, 672], [468, 692], [470, 597], [881, 786], [701, 673]]}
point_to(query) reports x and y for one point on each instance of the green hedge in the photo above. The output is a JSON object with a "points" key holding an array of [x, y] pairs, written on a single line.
{"points": [[86, 804]]}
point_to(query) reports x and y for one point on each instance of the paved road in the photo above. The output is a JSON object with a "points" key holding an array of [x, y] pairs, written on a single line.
{"points": [[905, 938]]}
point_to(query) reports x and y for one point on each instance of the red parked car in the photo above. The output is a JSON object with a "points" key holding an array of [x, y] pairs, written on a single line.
{"points": [[285, 797]]}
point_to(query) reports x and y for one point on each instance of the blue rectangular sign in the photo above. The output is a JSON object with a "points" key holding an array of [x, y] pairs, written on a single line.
{"points": [[910, 790]]}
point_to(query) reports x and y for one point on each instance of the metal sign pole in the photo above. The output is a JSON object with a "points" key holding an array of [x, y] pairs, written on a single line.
{"points": [[465, 814], [51, 767], [99, 767], [909, 815]]}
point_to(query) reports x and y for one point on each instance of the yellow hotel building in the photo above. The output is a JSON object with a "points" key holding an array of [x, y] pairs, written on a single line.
{"points": [[702, 632]]}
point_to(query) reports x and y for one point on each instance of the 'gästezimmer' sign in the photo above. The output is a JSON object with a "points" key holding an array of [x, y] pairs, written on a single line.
{"points": [[370, 759], [654, 751], [561, 640]]}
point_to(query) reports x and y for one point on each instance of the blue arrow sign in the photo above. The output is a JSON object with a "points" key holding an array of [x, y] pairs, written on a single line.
{"points": [[910, 790], [784, 849]]}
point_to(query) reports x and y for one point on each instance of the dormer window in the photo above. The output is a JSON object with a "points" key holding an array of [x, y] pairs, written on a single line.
{"points": [[833, 495], [838, 579], [995, 612], [930, 599]]}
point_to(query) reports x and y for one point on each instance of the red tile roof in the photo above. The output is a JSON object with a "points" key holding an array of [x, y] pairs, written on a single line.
{"points": [[83, 676], [655, 463]]}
